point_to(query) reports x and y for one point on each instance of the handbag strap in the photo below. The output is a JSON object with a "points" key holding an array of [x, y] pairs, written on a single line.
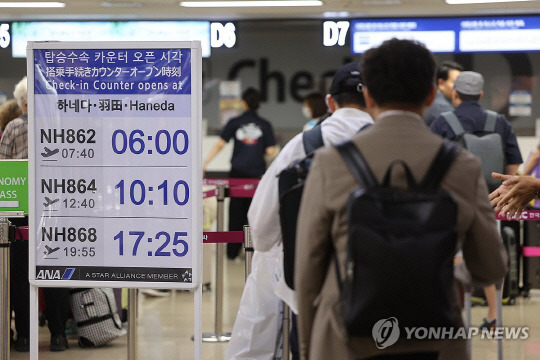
{"points": [[312, 139]]}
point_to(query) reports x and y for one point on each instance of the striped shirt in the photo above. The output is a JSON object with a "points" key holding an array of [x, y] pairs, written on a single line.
{"points": [[14, 142]]}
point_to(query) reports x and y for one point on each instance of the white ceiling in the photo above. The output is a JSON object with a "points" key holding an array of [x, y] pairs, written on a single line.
{"points": [[170, 10]]}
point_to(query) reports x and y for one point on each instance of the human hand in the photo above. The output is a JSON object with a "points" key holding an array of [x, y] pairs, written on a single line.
{"points": [[514, 193], [496, 196]]}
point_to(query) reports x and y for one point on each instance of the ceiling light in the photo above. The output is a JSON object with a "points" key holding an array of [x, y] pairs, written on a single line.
{"points": [[25, 4], [268, 3], [464, 2], [121, 4]]}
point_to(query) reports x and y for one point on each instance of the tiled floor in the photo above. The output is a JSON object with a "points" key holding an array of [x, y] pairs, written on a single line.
{"points": [[166, 325]]}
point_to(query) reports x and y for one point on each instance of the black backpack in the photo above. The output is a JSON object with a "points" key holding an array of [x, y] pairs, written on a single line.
{"points": [[400, 248], [291, 186]]}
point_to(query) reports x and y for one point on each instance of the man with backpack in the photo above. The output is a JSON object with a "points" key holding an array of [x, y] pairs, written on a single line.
{"points": [[346, 102], [393, 270], [486, 134]]}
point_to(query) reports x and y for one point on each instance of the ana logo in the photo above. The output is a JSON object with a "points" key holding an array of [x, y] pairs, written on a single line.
{"points": [[385, 332], [55, 274], [48, 275], [68, 273]]}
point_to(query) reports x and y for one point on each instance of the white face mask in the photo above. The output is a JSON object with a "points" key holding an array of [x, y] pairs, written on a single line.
{"points": [[306, 112]]}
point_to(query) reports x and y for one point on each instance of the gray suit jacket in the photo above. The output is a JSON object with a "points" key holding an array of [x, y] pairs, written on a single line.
{"points": [[395, 135]]}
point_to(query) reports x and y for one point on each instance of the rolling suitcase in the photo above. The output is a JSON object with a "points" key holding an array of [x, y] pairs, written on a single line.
{"points": [[510, 290]]}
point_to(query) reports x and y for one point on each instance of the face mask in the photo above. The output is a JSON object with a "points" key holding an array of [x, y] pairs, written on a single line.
{"points": [[306, 112]]}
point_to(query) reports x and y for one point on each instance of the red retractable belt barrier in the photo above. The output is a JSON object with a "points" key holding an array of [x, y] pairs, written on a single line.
{"points": [[21, 233], [210, 193], [238, 188], [211, 237], [243, 191]]}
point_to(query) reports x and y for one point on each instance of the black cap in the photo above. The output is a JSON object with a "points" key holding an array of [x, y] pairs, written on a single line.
{"points": [[347, 80]]}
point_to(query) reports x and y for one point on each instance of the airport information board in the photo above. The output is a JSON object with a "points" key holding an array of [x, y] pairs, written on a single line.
{"points": [[451, 35], [114, 164]]}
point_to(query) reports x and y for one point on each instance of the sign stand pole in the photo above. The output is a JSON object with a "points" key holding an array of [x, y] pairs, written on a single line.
{"points": [[218, 335], [197, 350], [5, 313], [34, 320], [248, 248], [132, 323]]}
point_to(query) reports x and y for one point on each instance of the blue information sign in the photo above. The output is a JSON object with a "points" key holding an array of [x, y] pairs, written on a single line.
{"points": [[451, 35]]}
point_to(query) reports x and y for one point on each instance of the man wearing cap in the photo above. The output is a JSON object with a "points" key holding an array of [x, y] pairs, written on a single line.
{"points": [[468, 90], [346, 102], [447, 73]]}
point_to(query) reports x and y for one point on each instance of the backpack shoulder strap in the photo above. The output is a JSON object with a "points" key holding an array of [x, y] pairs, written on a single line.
{"points": [[312, 139], [444, 158], [453, 122], [491, 121], [364, 127], [357, 164]]}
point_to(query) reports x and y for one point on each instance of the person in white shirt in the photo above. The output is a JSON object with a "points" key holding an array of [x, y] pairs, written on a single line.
{"points": [[257, 330]]}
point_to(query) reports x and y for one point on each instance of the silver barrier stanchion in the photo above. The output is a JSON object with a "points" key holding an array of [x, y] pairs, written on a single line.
{"points": [[218, 335], [286, 331], [5, 318], [133, 304], [248, 248]]}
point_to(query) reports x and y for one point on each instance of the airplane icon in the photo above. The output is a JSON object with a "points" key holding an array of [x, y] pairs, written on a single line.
{"points": [[50, 250], [48, 152], [49, 201]]}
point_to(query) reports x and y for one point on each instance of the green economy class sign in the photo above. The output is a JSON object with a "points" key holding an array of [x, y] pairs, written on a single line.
{"points": [[14, 185]]}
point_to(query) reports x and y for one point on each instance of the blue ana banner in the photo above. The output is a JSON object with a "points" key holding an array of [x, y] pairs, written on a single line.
{"points": [[125, 71]]}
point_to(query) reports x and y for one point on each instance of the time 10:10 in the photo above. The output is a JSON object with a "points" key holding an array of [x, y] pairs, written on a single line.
{"points": [[137, 192]]}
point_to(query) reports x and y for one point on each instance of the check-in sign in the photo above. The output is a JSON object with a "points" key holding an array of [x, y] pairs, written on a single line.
{"points": [[14, 185]]}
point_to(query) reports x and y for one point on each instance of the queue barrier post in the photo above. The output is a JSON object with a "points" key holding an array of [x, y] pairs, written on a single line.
{"points": [[248, 248], [133, 315], [286, 331], [5, 318], [218, 335]]}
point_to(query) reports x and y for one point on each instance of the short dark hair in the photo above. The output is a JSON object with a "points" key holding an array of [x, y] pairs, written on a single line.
{"points": [[252, 97], [316, 103], [398, 72], [445, 67], [465, 97], [349, 98]]}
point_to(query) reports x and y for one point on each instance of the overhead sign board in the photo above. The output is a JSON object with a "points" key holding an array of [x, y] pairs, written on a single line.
{"points": [[115, 177], [452, 34]]}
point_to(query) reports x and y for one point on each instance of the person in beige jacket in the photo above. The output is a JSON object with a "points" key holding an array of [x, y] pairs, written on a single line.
{"points": [[398, 88]]}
